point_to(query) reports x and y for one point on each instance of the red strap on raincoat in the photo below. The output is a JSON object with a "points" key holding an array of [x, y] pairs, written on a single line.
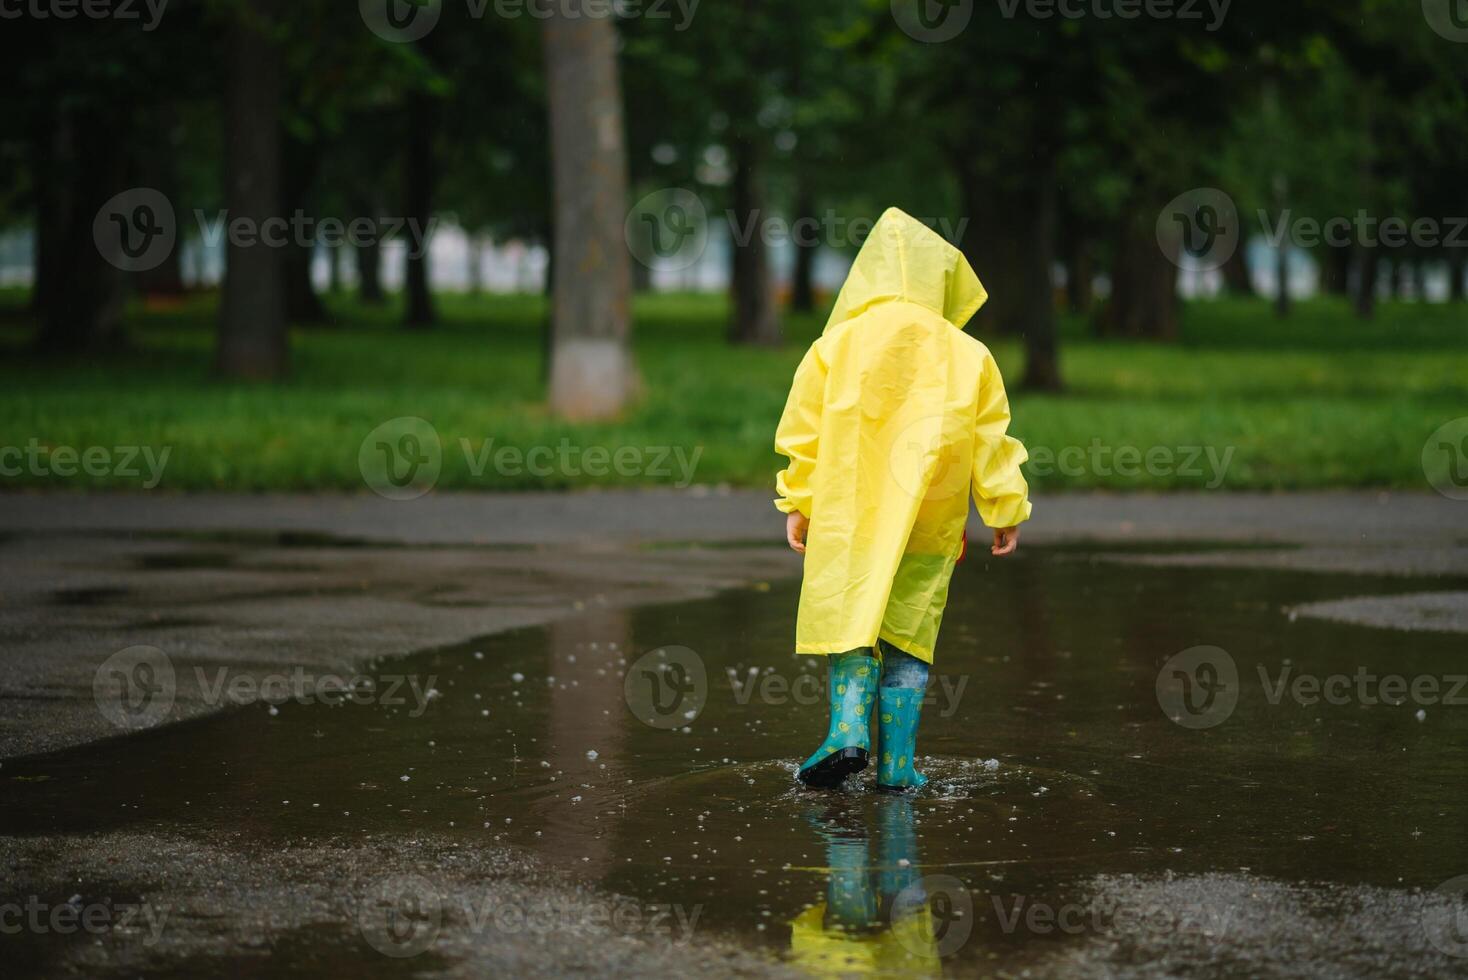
{"points": [[962, 546]]}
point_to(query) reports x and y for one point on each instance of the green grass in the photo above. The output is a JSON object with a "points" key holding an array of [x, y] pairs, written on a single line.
{"points": [[1316, 400]]}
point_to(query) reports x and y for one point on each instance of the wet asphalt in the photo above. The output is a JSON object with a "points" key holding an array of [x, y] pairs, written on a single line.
{"points": [[318, 589]]}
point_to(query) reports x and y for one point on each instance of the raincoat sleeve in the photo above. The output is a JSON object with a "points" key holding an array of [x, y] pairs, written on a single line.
{"points": [[799, 433], [1000, 491]]}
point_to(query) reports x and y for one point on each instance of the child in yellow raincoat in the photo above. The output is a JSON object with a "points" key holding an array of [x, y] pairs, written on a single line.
{"points": [[894, 415]]}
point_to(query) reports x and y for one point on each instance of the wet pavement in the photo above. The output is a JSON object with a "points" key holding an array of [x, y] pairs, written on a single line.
{"points": [[1139, 767]]}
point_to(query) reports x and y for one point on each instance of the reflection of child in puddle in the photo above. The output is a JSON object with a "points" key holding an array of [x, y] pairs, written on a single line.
{"points": [[894, 417], [875, 920]]}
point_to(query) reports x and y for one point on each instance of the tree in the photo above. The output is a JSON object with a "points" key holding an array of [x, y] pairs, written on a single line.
{"points": [[252, 340], [591, 370], [418, 177], [89, 108]]}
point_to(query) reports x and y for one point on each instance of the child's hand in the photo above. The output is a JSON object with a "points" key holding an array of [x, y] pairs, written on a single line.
{"points": [[1006, 539], [796, 524]]}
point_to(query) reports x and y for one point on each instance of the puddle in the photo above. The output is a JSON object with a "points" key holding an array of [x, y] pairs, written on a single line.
{"points": [[86, 597], [161, 561], [1054, 770]]}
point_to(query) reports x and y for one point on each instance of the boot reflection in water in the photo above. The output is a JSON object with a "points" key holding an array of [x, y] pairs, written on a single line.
{"points": [[875, 919]]}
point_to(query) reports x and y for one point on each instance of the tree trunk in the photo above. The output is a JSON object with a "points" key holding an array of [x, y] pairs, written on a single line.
{"points": [[49, 202], [159, 169], [1335, 270], [79, 293], [1236, 277], [369, 268], [993, 215], [1455, 275], [420, 177], [1080, 273], [474, 242], [1282, 280], [591, 371], [807, 244], [1397, 278], [753, 301], [1419, 280], [253, 343], [1367, 271], [1010, 240], [300, 160], [1042, 363], [641, 277], [1143, 299]]}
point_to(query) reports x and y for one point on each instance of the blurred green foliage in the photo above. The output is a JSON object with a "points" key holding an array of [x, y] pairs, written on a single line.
{"points": [[1320, 400]]}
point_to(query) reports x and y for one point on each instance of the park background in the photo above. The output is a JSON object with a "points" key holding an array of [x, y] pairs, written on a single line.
{"points": [[1053, 148]]}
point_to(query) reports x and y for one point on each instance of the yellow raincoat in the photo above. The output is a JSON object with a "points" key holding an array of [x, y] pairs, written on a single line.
{"points": [[893, 415]]}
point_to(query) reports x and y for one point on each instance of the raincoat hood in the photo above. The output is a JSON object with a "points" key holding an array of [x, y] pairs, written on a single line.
{"points": [[905, 260]]}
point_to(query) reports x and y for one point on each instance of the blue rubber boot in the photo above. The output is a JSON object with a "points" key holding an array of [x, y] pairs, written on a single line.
{"points": [[898, 715], [853, 684]]}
